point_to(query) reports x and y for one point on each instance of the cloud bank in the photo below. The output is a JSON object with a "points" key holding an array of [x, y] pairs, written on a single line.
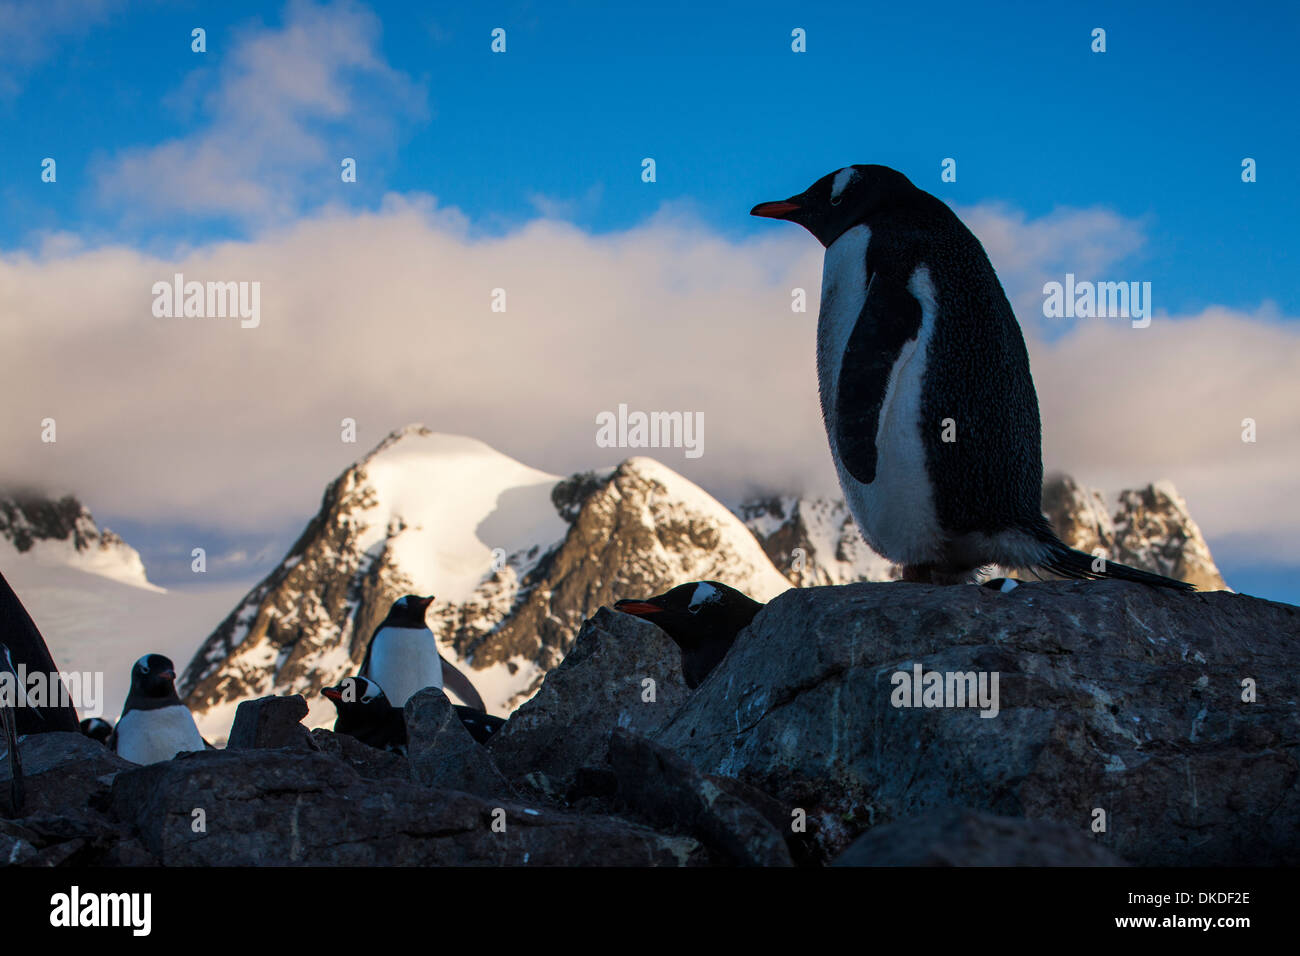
{"points": [[386, 317]]}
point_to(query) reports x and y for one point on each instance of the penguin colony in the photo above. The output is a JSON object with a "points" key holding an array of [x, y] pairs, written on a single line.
{"points": [[933, 425]]}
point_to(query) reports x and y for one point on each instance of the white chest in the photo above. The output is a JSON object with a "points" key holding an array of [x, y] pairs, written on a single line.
{"points": [[895, 512], [148, 736], [404, 660]]}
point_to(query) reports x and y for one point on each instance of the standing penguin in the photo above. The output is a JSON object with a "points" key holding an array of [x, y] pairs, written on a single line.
{"points": [[926, 395], [155, 725], [403, 657], [703, 619]]}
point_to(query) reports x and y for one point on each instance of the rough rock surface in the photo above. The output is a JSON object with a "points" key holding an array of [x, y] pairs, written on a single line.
{"points": [[600, 685], [1132, 724], [441, 751], [1113, 697], [668, 790], [285, 807], [959, 837], [270, 722]]}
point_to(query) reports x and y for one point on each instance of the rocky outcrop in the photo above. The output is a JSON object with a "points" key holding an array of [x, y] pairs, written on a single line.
{"points": [[1151, 528], [958, 837], [622, 672], [441, 751], [1058, 724], [1170, 720]]}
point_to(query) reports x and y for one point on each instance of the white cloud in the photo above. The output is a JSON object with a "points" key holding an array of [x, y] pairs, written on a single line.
{"points": [[286, 105], [385, 317]]}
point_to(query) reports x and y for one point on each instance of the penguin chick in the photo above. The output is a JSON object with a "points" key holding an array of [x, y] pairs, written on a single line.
{"points": [[703, 619], [155, 725], [926, 394]]}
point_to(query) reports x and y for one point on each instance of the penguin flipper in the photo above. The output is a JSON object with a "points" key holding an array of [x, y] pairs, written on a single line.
{"points": [[1069, 563], [459, 684], [890, 318]]}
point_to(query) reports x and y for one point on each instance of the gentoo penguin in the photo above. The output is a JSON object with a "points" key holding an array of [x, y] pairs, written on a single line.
{"points": [[703, 619], [926, 395], [366, 713], [97, 728], [154, 725], [403, 657]]}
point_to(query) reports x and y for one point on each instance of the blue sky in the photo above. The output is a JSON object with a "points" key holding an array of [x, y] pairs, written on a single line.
{"points": [[1117, 165], [1155, 128]]}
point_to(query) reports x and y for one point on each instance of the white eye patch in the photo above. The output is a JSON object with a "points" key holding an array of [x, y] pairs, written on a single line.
{"points": [[143, 664], [842, 180], [705, 593]]}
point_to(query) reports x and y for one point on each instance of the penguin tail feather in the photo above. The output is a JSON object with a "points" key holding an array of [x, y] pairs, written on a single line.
{"points": [[1069, 563]]}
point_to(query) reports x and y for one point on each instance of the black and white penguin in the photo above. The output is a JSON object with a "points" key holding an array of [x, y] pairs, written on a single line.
{"points": [[366, 713], [926, 394], [155, 725], [403, 657], [97, 728], [703, 619]]}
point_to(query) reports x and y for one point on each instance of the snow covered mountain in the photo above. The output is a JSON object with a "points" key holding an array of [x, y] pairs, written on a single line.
{"points": [[815, 541], [62, 533], [516, 558], [1150, 528]]}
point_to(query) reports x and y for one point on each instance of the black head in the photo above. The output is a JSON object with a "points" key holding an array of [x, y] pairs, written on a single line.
{"points": [[408, 611], [695, 612], [153, 678], [96, 728], [356, 695], [841, 200]]}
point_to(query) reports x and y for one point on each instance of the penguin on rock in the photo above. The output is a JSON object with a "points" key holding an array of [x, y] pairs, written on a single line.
{"points": [[926, 394], [155, 724], [703, 618]]}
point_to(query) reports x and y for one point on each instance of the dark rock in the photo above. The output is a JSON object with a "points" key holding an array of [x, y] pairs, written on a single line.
{"points": [[673, 795], [63, 771], [370, 762], [1113, 697], [600, 685], [441, 752], [277, 807], [269, 723], [960, 837]]}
